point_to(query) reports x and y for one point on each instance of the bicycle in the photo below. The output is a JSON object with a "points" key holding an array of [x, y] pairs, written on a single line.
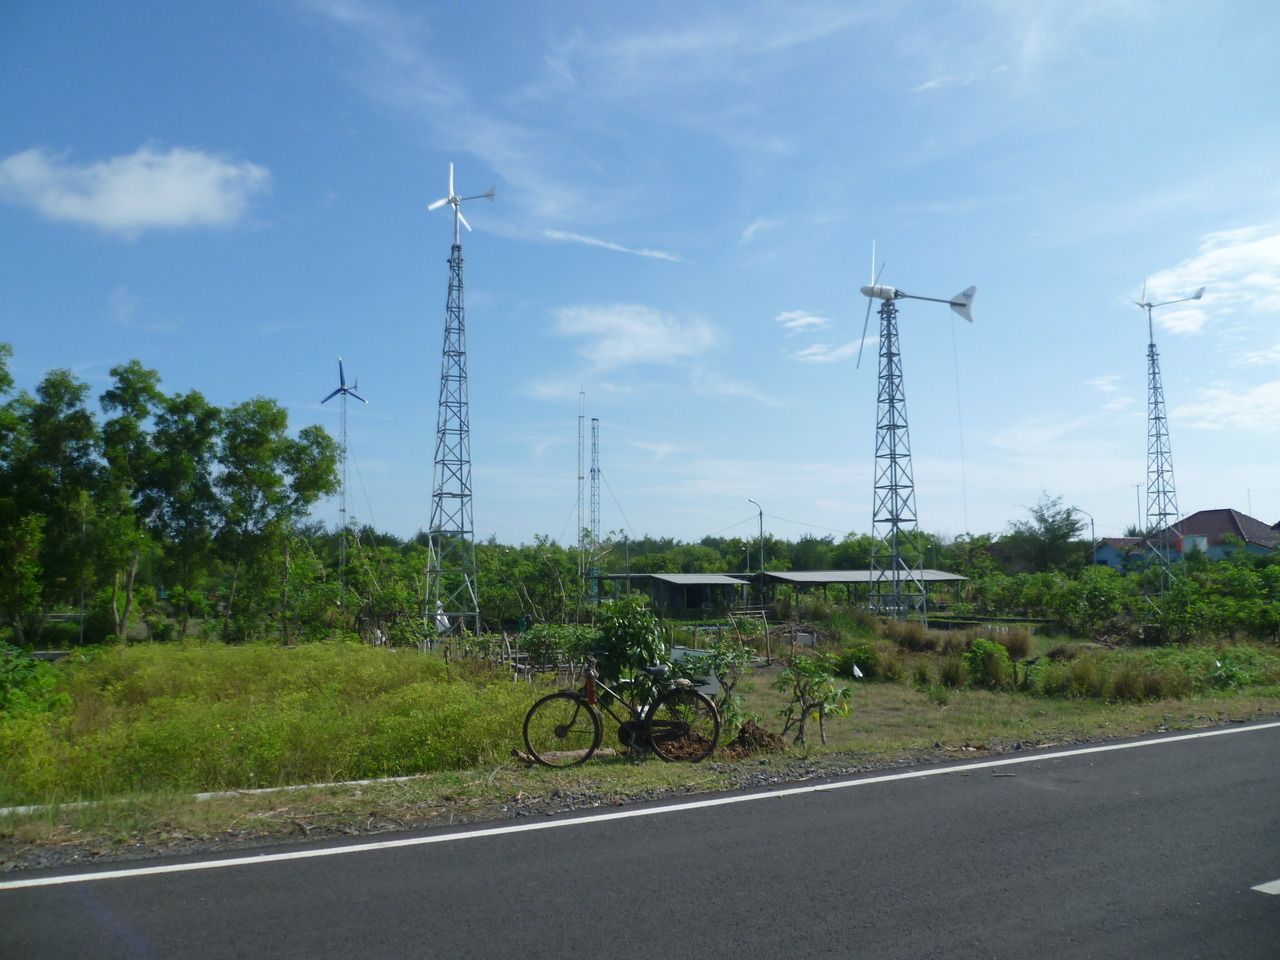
{"points": [[564, 729]]}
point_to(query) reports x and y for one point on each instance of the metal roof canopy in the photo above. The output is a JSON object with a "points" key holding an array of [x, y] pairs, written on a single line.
{"points": [[854, 576], [685, 579]]}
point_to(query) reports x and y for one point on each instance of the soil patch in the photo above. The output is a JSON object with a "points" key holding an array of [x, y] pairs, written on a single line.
{"points": [[752, 739]]}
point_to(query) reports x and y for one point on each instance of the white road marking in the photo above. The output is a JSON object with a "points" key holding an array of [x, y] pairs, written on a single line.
{"points": [[1272, 888], [265, 858]]}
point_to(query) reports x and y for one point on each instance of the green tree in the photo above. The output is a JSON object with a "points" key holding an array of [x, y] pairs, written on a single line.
{"points": [[52, 475], [1046, 541], [267, 482], [181, 502], [121, 523]]}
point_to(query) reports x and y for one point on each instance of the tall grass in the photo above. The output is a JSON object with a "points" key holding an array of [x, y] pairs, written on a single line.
{"points": [[206, 717]]}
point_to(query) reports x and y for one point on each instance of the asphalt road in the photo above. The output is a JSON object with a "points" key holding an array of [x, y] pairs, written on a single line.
{"points": [[1150, 851]]}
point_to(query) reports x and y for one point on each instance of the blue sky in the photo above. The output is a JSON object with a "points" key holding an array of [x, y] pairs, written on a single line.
{"points": [[235, 194]]}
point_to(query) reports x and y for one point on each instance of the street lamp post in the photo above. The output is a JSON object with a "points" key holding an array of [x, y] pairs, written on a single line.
{"points": [[1093, 538], [761, 509]]}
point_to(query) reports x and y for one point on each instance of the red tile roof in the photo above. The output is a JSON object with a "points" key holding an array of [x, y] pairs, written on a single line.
{"points": [[1216, 525]]}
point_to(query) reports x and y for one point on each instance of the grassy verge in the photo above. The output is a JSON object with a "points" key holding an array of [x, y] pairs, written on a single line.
{"points": [[890, 723]]}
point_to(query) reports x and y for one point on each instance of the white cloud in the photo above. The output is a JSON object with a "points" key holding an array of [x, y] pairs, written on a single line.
{"points": [[145, 190], [798, 321], [821, 353], [660, 451], [127, 310], [1255, 410], [631, 333], [710, 384], [963, 80], [1240, 270], [1107, 384], [758, 226], [593, 242]]}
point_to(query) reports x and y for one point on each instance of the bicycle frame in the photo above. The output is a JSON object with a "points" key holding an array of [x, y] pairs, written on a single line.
{"points": [[592, 695]]}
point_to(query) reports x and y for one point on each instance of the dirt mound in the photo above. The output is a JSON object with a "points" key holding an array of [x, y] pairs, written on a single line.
{"points": [[752, 739]]}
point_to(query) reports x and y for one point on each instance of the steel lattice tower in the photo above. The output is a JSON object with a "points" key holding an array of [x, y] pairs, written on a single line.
{"points": [[451, 601], [1162, 499], [897, 579]]}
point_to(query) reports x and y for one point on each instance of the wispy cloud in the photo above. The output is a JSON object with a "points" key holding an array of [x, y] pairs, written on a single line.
{"points": [[126, 310], [708, 383], [760, 225], [659, 451], [593, 242], [821, 353], [1240, 270], [962, 80], [801, 321], [145, 190], [630, 333], [1255, 410]]}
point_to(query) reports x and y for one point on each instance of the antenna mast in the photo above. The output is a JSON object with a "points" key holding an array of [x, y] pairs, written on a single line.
{"points": [[595, 508], [452, 605], [582, 537], [1162, 499]]}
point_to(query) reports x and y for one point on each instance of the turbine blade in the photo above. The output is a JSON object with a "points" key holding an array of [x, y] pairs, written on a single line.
{"points": [[352, 393], [464, 220], [963, 301], [451, 179], [438, 204], [861, 343], [342, 377], [332, 395]]}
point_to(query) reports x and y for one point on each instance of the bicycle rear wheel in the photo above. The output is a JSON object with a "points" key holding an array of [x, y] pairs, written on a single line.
{"points": [[683, 725], [562, 730]]}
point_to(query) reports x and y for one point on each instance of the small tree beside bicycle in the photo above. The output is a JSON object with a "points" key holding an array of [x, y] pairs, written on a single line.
{"points": [[629, 679]]}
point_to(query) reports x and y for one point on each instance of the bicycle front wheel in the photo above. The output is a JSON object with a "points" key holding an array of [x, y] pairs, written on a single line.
{"points": [[683, 724], [562, 730]]}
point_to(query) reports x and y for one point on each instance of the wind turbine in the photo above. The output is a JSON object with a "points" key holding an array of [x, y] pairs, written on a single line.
{"points": [[452, 602], [894, 503], [343, 391], [456, 202], [1162, 499]]}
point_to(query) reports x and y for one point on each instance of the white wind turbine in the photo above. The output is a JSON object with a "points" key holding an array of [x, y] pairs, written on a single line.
{"points": [[456, 202], [900, 587]]}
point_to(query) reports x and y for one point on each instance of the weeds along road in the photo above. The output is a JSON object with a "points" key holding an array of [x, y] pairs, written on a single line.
{"points": [[1157, 848]]}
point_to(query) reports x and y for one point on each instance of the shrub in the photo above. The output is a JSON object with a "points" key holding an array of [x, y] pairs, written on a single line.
{"points": [[1017, 641], [863, 656], [988, 665], [922, 675], [910, 635], [889, 666], [953, 672], [957, 643]]}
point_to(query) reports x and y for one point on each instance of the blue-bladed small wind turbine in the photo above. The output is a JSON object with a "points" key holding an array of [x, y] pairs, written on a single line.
{"points": [[343, 391]]}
